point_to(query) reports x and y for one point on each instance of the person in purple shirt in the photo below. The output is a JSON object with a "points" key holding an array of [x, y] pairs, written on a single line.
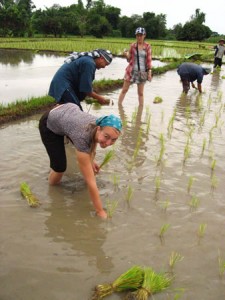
{"points": [[73, 80], [189, 72]]}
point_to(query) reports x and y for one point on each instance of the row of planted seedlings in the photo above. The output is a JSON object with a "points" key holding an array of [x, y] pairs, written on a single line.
{"points": [[216, 124], [160, 49], [187, 147]]}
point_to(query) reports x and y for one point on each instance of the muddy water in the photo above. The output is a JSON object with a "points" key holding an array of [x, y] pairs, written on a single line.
{"points": [[25, 74], [61, 250]]}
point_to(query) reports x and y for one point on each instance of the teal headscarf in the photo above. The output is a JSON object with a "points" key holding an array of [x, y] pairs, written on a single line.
{"points": [[111, 121]]}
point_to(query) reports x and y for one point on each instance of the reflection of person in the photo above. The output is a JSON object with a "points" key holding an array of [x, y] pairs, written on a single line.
{"points": [[73, 80], [219, 52], [134, 137], [189, 72], [140, 59], [85, 132]]}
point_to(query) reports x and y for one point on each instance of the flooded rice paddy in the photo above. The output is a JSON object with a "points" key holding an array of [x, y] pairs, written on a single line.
{"points": [[25, 74], [170, 156]]}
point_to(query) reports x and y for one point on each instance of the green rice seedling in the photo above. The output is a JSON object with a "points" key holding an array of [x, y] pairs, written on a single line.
{"points": [[170, 124], [152, 283], [211, 135], [190, 132], [163, 230], [179, 294], [202, 119], [129, 194], [199, 102], [187, 113], [134, 115], [162, 149], [115, 180], [190, 183], [217, 118], [187, 150], [157, 183], [203, 146], [174, 258], [213, 165], [138, 143], [219, 96], [148, 123], [194, 203], [130, 280], [165, 204], [201, 230], [221, 263], [209, 102], [108, 156], [214, 181], [162, 116], [111, 208], [28, 195]]}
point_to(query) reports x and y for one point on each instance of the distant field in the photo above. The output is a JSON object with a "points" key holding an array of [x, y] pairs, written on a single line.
{"points": [[160, 48]]}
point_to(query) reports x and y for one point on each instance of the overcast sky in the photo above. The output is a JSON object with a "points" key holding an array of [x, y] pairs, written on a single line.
{"points": [[176, 11]]}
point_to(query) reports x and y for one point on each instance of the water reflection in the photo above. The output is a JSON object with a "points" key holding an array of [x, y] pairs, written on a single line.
{"points": [[25, 74], [215, 80], [134, 137], [14, 58], [70, 222]]}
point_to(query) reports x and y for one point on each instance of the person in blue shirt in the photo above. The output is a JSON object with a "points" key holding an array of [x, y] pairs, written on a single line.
{"points": [[73, 80], [189, 72]]}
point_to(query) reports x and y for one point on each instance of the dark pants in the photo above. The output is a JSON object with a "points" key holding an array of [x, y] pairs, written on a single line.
{"points": [[70, 96], [217, 62], [54, 145]]}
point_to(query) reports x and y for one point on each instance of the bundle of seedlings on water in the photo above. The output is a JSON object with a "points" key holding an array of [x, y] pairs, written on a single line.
{"points": [[28, 195], [157, 99], [153, 283], [108, 156], [130, 280]]}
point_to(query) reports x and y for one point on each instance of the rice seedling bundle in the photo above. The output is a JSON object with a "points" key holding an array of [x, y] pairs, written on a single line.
{"points": [[153, 283], [28, 195], [157, 99], [130, 280], [108, 156]]}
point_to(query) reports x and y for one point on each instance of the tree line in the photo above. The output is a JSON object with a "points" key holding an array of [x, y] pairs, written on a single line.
{"points": [[20, 18]]}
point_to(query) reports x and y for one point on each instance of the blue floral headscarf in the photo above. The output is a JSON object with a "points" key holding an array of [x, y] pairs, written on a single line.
{"points": [[111, 121]]}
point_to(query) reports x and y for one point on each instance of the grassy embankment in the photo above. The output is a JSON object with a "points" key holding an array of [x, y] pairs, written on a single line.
{"points": [[170, 51]]}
